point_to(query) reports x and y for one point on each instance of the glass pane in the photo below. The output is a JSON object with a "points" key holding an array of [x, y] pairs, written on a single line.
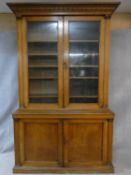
{"points": [[84, 61], [43, 62]]}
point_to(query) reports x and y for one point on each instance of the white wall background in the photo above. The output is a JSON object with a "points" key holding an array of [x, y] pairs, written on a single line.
{"points": [[119, 98], [8, 88], [120, 95]]}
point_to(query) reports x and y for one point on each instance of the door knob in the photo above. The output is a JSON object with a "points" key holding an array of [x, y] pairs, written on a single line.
{"points": [[65, 65]]}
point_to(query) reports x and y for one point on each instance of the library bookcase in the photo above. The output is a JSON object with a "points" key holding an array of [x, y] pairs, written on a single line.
{"points": [[63, 124]]}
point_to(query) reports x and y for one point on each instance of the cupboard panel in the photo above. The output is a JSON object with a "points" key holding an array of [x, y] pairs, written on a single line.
{"points": [[84, 142], [42, 142]]}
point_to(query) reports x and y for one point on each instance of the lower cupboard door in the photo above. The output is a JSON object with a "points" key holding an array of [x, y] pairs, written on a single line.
{"points": [[40, 142], [85, 142]]}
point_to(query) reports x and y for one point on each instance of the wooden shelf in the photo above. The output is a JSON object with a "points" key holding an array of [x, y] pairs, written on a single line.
{"points": [[42, 96], [84, 41], [86, 96], [84, 66], [43, 66], [45, 56], [84, 78], [42, 78], [42, 54], [48, 41]]}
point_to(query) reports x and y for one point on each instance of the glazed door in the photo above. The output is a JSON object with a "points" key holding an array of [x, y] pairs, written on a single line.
{"points": [[44, 55], [83, 62]]}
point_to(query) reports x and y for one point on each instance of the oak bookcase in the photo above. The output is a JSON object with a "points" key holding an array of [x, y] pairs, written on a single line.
{"points": [[63, 124]]}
